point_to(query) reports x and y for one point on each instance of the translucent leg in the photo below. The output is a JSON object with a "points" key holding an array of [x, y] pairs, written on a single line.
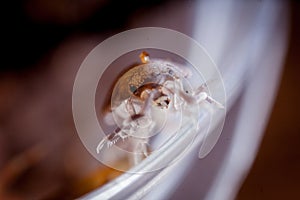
{"points": [[203, 96], [141, 151], [111, 139]]}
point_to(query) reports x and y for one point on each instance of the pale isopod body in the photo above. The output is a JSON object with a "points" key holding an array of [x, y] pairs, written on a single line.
{"points": [[143, 96]]}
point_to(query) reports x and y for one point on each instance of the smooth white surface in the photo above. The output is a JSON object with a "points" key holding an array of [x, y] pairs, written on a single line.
{"points": [[248, 46]]}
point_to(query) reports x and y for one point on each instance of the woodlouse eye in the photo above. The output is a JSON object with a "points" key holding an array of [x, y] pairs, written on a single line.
{"points": [[132, 88]]}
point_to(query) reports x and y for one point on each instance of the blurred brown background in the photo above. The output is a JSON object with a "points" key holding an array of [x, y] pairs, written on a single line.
{"points": [[276, 170], [41, 39]]}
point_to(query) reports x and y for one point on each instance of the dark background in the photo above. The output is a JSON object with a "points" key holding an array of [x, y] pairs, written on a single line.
{"points": [[276, 170], [33, 29]]}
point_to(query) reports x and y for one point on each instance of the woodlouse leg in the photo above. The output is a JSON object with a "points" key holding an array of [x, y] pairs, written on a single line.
{"points": [[141, 151], [203, 96], [111, 139]]}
